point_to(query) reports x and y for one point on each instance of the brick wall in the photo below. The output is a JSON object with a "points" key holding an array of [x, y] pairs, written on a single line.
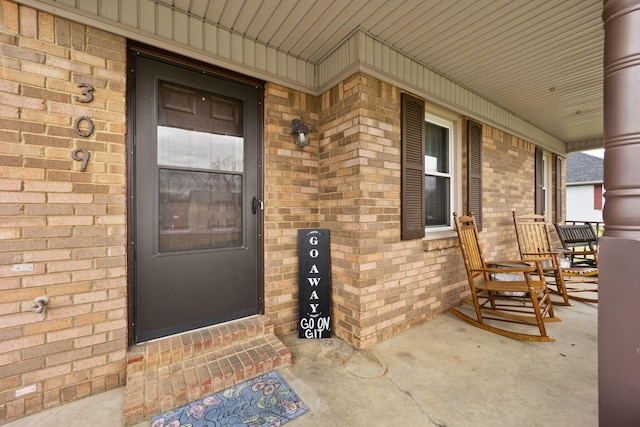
{"points": [[290, 199], [66, 224], [381, 285], [349, 182], [341, 200], [508, 171]]}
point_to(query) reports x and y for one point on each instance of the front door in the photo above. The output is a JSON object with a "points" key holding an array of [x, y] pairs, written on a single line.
{"points": [[195, 198]]}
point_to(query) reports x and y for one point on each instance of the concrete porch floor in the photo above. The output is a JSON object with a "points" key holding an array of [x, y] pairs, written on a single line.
{"points": [[443, 373]]}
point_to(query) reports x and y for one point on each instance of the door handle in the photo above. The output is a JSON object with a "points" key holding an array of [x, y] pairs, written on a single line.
{"points": [[254, 205]]}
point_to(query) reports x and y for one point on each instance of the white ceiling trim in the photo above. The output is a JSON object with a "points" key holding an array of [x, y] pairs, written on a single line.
{"points": [[221, 50], [585, 144], [170, 28], [385, 63]]}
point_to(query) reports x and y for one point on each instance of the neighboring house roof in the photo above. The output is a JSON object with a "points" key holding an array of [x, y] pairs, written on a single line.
{"points": [[584, 168]]}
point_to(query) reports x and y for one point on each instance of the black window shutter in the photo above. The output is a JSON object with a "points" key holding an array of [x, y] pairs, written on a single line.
{"points": [[539, 191], [412, 193], [474, 170], [558, 189]]}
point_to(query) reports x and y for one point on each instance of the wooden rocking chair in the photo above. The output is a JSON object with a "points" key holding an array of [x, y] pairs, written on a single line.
{"points": [[523, 300], [534, 242], [581, 241]]}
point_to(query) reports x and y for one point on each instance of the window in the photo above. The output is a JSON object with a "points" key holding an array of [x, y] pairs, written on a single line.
{"points": [[431, 169], [438, 173], [543, 194], [597, 197]]}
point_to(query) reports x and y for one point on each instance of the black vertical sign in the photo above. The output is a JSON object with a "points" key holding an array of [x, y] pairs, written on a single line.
{"points": [[315, 284]]}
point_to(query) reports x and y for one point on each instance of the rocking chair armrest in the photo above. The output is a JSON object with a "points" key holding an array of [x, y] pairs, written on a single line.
{"points": [[583, 252], [512, 263], [537, 260], [548, 255], [510, 266], [507, 270]]}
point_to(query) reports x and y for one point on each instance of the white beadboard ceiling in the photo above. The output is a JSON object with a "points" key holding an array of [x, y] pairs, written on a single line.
{"points": [[540, 60]]}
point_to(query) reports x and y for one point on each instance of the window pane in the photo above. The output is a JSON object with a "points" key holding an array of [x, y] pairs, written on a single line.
{"points": [[199, 210], [436, 149], [199, 150], [437, 201]]}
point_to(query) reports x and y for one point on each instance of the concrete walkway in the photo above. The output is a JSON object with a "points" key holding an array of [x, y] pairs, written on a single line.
{"points": [[443, 373]]}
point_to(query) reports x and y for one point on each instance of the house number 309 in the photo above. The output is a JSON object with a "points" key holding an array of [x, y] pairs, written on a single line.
{"points": [[87, 96]]}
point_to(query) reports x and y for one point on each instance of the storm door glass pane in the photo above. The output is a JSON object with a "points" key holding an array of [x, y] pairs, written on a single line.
{"points": [[199, 150], [199, 210], [200, 160]]}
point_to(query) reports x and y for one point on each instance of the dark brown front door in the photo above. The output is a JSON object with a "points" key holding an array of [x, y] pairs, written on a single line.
{"points": [[196, 144]]}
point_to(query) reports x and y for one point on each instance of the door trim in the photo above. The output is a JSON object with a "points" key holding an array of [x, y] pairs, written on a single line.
{"points": [[133, 49]]}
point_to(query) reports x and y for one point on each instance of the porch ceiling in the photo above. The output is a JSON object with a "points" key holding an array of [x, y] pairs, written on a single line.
{"points": [[541, 60]]}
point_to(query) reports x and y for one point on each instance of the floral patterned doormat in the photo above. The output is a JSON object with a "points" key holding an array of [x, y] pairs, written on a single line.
{"points": [[265, 401]]}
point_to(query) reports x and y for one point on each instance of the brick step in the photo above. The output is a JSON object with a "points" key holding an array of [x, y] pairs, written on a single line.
{"points": [[171, 372]]}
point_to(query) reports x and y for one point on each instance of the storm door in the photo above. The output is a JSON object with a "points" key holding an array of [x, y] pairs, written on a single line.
{"points": [[195, 199]]}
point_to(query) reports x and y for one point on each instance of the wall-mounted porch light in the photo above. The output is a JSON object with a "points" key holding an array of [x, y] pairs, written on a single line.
{"points": [[300, 133]]}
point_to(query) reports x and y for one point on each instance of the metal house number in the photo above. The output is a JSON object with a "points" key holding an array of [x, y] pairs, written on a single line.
{"points": [[87, 93], [84, 158]]}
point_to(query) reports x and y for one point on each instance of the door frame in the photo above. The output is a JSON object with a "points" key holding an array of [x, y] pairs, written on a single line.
{"points": [[133, 49]]}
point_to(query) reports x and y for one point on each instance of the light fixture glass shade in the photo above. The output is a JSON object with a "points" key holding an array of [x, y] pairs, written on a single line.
{"points": [[300, 133]]}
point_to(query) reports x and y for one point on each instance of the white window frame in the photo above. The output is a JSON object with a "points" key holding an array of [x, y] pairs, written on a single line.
{"points": [[455, 175]]}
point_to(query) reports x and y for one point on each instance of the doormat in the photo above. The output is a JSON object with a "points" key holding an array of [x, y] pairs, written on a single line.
{"points": [[263, 401]]}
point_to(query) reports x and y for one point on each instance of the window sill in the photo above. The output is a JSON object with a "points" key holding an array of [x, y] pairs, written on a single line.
{"points": [[440, 240]]}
